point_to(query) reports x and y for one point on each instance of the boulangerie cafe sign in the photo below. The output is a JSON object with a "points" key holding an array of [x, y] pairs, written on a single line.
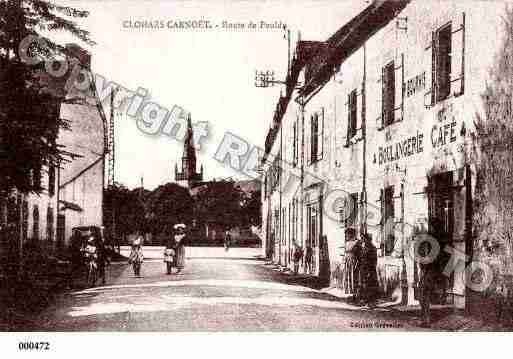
{"points": [[404, 148]]}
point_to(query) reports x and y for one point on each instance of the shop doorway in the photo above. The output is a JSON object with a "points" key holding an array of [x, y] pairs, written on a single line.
{"points": [[441, 227]]}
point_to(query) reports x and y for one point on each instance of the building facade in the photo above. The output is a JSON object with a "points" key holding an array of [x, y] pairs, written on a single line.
{"points": [[379, 139]]}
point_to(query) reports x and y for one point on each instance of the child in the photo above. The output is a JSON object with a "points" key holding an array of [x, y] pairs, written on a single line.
{"points": [[136, 258], [169, 256]]}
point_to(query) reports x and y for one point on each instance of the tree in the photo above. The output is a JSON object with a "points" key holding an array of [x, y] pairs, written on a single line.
{"points": [[168, 205], [126, 209], [219, 203], [29, 117], [251, 208], [493, 200]]}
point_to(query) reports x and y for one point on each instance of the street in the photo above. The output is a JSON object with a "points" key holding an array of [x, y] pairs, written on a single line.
{"points": [[217, 290]]}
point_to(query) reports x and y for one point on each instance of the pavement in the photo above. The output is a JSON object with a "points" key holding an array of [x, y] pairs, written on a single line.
{"points": [[217, 291]]}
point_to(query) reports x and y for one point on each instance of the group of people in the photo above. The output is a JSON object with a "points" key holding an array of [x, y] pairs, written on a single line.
{"points": [[297, 256], [360, 274], [174, 252]]}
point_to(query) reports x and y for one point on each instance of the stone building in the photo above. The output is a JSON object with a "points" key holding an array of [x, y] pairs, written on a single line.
{"points": [[375, 133]]}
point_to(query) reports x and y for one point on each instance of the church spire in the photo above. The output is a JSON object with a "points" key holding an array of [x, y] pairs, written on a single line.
{"points": [[188, 175]]}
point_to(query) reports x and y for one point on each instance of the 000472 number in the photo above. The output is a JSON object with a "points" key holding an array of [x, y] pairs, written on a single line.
{"points": [[34, 346]]}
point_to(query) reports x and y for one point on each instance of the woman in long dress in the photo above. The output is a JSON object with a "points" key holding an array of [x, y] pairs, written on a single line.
{"points": [[179, 240]]}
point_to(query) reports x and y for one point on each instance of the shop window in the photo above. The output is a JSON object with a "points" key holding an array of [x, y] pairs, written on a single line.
{"points": [[441, 207], [388, 94], [352, 115]]}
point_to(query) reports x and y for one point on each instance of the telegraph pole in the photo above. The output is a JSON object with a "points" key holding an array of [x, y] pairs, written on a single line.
{"points": [[264, 79], [364, 135], [111, 169]]}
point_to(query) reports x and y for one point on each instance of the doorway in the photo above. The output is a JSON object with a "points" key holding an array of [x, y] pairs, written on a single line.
{"points": [[441, 227]]}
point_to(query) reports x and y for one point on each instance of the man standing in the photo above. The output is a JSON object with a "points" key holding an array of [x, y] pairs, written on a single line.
{"points": [[352, 269], [369, 276], [103, 259], [227, 240], [308, 259], [297, 256]]}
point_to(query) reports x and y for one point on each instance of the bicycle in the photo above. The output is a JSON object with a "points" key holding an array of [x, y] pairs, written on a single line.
{"points": [[91, 257]]}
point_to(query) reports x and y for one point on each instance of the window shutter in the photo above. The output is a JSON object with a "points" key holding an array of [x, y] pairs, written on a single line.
{"points": [[321, 135], [309, 144], [396, 207], [399, 90], [430, 61], [359, 108], [383, 89], [315, 137], [458, 56], [348, 107], [382, 213]]}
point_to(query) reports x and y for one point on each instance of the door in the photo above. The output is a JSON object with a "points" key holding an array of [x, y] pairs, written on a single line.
{"points": [[313, 234], [441, 225]]}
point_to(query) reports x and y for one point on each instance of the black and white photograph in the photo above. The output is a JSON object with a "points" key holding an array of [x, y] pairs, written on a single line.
{"points": [[255, 167]]}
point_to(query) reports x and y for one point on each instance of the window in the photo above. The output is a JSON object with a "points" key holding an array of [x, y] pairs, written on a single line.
{"points": [[49, 224], [388, 219], [51, 181], [35, 223], [24, 227], [316, 136], [36, 177], [443, 63], [388, 94], [447, 55], [352, 114], [351, 217]]}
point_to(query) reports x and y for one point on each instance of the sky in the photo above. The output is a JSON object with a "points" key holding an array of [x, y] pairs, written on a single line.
{"points": [[208, 73]]}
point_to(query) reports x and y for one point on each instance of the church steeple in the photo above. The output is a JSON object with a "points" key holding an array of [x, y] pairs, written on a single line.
{"points": [[188, 174]]}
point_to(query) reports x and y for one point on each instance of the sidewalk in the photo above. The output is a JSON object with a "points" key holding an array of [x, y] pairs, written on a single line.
{"points": [[444, 317]]}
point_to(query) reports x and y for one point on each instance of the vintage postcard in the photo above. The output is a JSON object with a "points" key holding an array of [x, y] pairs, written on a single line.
{"points": [[263, 166]]}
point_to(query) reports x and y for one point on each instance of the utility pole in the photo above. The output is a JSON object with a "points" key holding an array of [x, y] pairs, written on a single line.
{"points": [[111, 169], [264, 79]]}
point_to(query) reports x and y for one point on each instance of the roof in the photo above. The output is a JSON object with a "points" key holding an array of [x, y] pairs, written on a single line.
{"points": [[349, 38], [84, 141]]}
